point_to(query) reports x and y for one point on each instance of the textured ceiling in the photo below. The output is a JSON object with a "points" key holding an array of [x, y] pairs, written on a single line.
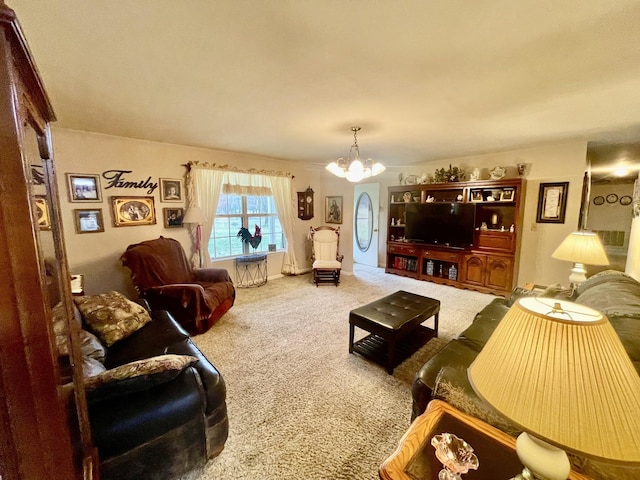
{"points": [[425, 79]]}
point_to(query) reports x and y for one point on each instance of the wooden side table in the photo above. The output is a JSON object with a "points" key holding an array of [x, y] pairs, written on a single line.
{"points": [[415, 458]]}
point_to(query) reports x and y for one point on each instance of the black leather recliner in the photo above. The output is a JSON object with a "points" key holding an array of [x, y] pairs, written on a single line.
{"points": [[168, 429]]}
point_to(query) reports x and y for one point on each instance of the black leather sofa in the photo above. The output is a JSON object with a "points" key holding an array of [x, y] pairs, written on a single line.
{"points": [[168, 429], [444, 376]]}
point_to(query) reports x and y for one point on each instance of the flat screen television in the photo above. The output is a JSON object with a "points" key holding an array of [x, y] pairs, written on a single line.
{"points": [[443, 224]]}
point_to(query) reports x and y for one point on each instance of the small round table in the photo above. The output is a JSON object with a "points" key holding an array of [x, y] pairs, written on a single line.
{"points": [[251, 270]]}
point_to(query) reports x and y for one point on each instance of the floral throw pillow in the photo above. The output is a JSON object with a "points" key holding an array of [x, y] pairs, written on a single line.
{"points": [[112, 316], [136, 376]]}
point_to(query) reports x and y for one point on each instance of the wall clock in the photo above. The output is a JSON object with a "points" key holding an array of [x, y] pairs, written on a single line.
{"points": [[599, 200], [625, 200], [612, 198], [305, 204]]}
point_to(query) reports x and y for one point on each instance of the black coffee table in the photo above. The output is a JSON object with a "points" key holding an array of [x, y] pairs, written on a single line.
{"points": [[395, 326]]}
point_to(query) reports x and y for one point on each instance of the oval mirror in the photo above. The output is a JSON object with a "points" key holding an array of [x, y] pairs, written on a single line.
{"points": [[364, 222]]}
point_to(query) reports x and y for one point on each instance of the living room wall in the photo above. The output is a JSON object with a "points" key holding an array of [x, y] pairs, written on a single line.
{"points": [[96, 255], [561, 162]]}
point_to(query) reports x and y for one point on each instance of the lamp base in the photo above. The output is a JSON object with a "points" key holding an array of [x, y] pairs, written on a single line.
{"points": [[578, 274], [525, 475], [541, 460]]}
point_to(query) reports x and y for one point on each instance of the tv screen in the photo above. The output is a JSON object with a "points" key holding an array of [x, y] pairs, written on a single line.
{"points": [[445, 224]]}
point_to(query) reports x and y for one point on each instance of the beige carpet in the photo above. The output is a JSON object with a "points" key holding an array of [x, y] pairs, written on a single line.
{"points": [[300, 406]]}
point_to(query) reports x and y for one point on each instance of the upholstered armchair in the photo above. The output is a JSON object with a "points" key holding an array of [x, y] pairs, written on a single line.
{"points": [[327, 262], [161, 274]]}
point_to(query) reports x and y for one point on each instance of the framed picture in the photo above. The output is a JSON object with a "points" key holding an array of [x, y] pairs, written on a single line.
{"points": [[333, 210], [84, 187], [552, 202], [476, 196], [88, 220], [133, 211], [172, 217], [506, 196], [171, 190], [42, 210]]}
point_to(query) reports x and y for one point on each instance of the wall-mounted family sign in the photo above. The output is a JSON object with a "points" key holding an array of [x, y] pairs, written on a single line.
{"points": [[116, 179]]}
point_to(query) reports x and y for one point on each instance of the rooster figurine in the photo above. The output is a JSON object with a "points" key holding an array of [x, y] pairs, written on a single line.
{"points": [[253, 240]]}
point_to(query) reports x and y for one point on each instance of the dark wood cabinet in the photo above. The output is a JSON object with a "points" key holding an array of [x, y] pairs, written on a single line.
{"points": [[44, 427], [489, 264], [493, 272]]}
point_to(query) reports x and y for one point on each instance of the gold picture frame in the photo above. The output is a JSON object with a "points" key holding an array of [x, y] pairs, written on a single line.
{"points": [[88, 220], [42, 210], [133, 211]]}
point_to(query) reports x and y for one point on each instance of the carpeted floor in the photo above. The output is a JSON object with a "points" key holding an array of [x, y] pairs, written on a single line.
{"points": [[300, 406]]}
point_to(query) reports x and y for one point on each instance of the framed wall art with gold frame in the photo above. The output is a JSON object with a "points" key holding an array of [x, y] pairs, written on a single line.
{"points": [[42, 208], [133, 211]]}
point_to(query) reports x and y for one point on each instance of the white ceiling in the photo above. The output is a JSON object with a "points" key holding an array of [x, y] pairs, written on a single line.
{"points": [[287, 78]]}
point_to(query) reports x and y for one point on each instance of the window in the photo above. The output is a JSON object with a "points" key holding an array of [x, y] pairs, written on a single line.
{"points": [[236, 211], [364, 222]]}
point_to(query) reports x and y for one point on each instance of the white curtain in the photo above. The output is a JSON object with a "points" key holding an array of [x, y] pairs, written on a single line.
{"points": [[205, 186], [286, 204], [206, 183]]}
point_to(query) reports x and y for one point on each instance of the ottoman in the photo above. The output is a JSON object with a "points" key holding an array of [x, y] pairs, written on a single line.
{"points": [[395, 326]]}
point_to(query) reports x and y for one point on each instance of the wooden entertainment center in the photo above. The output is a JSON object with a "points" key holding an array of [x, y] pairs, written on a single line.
{"points": [[488, 265]]}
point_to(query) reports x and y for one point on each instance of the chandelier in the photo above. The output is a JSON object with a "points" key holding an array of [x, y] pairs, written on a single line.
{"points": [[352, 168]]}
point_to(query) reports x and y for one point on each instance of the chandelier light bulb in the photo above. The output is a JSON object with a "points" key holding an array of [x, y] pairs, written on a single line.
{"points": [[336, 169]]}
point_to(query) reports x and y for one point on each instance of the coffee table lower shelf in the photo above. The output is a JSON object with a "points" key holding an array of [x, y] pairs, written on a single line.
{"points": [[375, 348]]}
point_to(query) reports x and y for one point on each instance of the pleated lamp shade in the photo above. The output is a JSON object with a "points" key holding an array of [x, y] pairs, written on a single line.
{"points": [[584, 247], [560, 371], [194, 215]]}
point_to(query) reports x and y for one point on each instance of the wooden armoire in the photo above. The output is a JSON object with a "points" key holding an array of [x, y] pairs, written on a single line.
{"points": [[44, 427]]}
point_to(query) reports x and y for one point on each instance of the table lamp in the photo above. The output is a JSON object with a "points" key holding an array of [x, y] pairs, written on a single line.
{"points": [[196, 216], [560, 372], [583, 247]]}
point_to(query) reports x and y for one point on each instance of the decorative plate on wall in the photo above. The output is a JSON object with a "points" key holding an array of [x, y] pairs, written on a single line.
{"points": [[625, 200], [612, 198], [599, 200]]}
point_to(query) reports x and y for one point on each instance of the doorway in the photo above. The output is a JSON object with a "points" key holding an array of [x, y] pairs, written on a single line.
{"points": [[365, 218], [612, 171]]}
